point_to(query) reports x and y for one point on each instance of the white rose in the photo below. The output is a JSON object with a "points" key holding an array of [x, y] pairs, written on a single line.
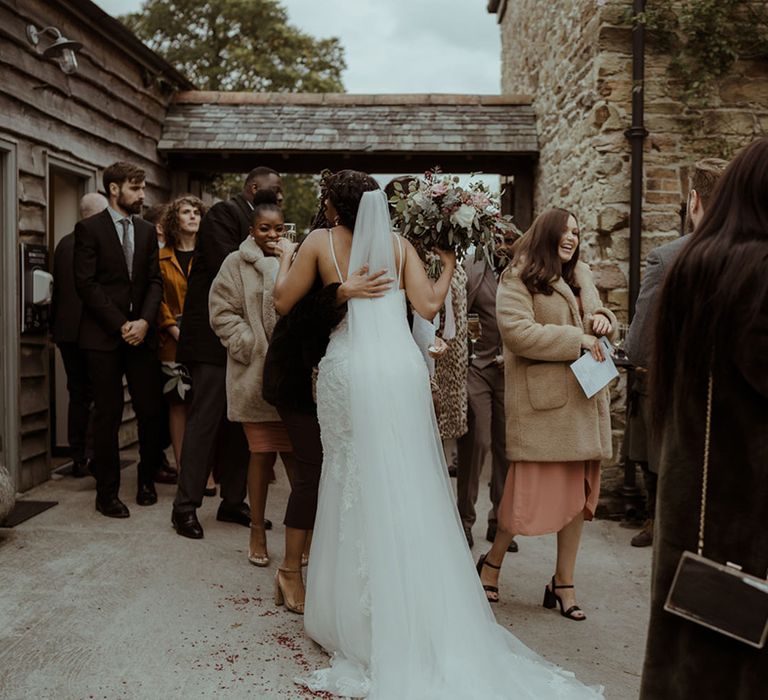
{"points": [[463, 216]]}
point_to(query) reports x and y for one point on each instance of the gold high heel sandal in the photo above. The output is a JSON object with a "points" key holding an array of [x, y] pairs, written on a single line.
{"points": [[280, 596], [258, 559]]}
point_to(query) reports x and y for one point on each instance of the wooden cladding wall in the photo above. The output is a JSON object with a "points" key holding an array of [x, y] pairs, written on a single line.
{"points": [[111, 109]]}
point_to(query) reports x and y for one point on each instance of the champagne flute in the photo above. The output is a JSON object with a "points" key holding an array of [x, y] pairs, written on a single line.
{"points": [[289, 232], [474, 332]]}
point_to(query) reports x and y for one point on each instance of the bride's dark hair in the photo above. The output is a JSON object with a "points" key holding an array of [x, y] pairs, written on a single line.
{"points": [[345, 190]]}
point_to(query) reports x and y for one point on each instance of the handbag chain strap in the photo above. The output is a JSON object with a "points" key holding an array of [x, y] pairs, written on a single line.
{"points": [[707, 431]]}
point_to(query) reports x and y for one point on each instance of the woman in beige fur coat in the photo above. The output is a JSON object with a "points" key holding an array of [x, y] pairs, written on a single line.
{"points": [[243, 316], [548, 311]]}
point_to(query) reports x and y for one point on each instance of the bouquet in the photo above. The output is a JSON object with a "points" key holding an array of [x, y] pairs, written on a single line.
{"points": [[435, 212]]}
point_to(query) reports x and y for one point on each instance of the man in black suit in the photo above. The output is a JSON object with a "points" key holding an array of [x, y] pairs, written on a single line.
{"points": [[117, 277], [209, 437], [638, 446], [66, 311]]}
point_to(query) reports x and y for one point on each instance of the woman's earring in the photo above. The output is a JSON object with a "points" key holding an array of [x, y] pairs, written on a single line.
{"points": [[336, 220]]}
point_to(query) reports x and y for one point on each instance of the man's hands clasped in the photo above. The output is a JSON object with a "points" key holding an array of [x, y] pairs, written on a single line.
{"points": [[134, 332]]}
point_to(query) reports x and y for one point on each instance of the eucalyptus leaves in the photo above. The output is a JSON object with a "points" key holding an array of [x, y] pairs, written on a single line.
{"points": [[178, 380]]}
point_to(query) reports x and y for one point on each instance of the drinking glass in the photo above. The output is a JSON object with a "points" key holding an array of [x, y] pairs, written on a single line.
{"points": [[618, 342], [474, 332], [289, 232]]}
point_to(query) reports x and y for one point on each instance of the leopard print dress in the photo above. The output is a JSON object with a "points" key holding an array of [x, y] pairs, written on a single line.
{"points": [[450, 380]]}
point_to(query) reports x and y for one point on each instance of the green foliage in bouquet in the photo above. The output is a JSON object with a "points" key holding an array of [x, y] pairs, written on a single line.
{"points": [[435, 212], [179, 379]]}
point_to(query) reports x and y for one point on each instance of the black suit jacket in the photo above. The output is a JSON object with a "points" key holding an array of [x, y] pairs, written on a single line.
{"points": [[110, 297], [222, 230], [66, 307]]}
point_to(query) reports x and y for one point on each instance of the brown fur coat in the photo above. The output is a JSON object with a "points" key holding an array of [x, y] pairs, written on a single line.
{"points": [[549, 419]]}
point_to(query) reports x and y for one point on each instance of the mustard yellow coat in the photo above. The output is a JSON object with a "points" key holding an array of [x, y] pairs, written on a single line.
{"points": [[172, 305], [549, 419]]}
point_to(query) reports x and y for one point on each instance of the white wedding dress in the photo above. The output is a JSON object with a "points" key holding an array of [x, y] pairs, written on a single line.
{"points": [[392, 592]]}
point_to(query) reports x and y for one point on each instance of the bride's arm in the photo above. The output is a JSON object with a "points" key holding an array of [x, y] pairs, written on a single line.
{"points": [[427, 297], [296, 274]]}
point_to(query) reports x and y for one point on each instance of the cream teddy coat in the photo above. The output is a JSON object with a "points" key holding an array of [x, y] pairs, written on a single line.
{"points": [[243, 317], [549, 419]]}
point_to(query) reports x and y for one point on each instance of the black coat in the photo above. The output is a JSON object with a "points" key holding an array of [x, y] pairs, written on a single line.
{"points": [[66, 307], [685, 660], [110, 297], [222, 230], [298, 343]]}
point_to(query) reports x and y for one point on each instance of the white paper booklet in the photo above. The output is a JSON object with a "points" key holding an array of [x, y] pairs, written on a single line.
{"points": [[594, 375]]}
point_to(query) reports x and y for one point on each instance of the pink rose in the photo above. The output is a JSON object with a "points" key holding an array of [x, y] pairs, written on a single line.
{"points": [[439, 189]]}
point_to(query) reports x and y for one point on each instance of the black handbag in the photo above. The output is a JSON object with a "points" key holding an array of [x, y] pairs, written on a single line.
{"points": [[718, 596]]}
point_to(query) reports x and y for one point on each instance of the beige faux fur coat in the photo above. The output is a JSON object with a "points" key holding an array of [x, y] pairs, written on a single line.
{"points": [[243, 316], [549, 419]]}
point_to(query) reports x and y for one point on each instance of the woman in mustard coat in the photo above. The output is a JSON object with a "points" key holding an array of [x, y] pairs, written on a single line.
{"points": [[180, 224]]}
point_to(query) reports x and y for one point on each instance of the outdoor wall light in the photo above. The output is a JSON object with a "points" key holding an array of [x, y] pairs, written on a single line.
{"points": [[61, 49]]}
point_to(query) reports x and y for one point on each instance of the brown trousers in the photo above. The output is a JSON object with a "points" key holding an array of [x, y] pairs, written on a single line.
{"points": [[487, 430]]}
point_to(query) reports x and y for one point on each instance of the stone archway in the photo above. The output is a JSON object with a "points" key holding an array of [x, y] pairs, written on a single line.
{"points": [[212, 132]]}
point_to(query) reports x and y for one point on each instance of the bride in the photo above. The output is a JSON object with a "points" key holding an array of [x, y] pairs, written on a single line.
{"points": [[392, 593]]}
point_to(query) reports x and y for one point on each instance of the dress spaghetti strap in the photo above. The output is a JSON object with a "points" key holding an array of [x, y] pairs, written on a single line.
{"points": [[402, 259], [333, 255]]}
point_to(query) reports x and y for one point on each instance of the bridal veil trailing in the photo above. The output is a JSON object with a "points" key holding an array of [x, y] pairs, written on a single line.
{"points": [[392, 593]]}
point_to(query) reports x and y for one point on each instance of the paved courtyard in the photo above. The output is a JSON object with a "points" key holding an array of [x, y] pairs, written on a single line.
{"points": [[99, 608]]}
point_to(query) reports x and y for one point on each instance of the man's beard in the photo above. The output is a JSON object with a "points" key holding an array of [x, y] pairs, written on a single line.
{"points": [[134, 208]]}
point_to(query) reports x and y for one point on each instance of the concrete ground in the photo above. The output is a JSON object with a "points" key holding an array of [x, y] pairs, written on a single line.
{"points": [[93, 607]]}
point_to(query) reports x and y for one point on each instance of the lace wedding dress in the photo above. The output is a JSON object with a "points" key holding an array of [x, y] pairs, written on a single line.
{"points": [[392, 592]]}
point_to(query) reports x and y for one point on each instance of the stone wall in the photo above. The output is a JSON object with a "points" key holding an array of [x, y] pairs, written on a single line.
{"points": [[575, 58]]}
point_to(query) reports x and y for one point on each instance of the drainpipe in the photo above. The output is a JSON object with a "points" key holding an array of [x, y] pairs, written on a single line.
{"points": [[636, 135]]}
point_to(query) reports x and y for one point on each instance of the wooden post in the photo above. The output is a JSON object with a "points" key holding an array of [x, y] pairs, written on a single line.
{"points": [[523, 199]]}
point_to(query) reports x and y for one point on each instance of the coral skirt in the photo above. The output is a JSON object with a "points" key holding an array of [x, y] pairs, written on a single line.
{"points": [[543, 497], [269, 436]]}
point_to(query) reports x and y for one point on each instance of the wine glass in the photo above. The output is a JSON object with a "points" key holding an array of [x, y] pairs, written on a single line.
{"points": [[474, 332], [289, 232], [618, 342]]}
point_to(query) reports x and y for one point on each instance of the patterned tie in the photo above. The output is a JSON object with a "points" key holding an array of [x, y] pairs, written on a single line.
{"points": [[127, 246]]}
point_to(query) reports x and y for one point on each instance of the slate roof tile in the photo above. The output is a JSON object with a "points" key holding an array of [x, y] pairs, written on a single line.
{"points": [[236, 121]]}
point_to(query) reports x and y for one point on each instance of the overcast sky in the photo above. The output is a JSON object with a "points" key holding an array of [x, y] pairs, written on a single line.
{"points": [[416, 46]]}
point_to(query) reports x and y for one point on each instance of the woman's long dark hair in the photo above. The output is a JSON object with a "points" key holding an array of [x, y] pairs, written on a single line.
{"points": [[536, 253], [345, 190], [714, 290]]}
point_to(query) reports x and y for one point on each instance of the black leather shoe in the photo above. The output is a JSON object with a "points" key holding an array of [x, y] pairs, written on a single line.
{"points": [[491, 536], [240, 514], [112, 507], [146, 495], [81, 468], [187, 524], [165, 475]]}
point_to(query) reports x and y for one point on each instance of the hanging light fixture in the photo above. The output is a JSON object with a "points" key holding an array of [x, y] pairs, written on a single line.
{"points": [[61, 49]]}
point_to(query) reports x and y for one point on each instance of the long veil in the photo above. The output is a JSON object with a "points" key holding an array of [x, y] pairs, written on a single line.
{"points": [[432, 633]]}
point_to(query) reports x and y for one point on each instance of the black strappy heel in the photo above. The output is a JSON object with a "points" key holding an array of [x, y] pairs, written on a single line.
{"points": [[552, 600], [481, 562]]}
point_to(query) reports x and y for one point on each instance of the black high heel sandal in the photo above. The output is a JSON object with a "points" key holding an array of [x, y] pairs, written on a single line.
{"points": [[481, 562], [552, 600]]}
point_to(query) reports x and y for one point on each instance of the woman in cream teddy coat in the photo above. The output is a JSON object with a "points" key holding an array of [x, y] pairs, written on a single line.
{"points": [[548, 311], [243, 316]]}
